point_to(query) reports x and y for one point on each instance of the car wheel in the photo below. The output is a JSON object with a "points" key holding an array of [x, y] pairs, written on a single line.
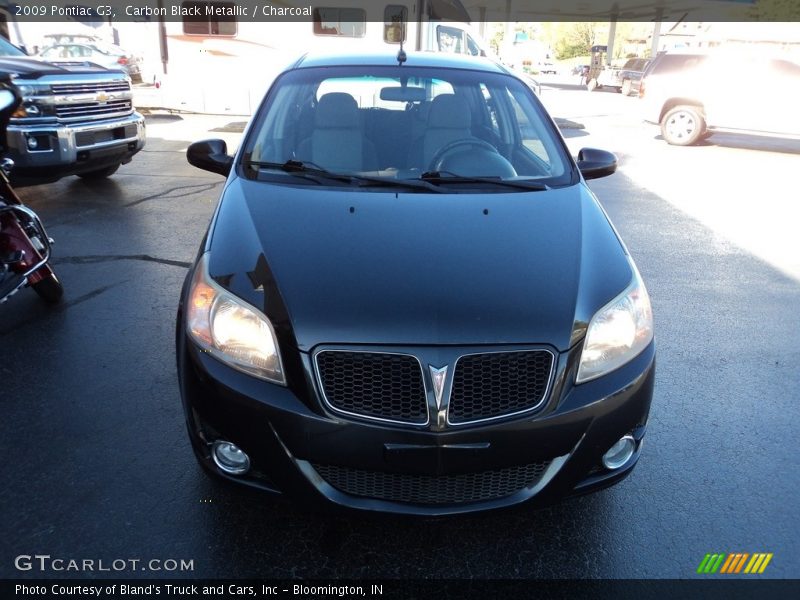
{"points": [[99, 173], [683, 125], [49, 289], [626, 87]]}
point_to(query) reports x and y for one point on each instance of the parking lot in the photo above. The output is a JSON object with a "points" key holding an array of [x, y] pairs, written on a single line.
{"points": [[97, 464]]}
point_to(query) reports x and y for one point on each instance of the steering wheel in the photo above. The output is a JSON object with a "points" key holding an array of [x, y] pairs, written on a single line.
{"points": [[448, 148]]}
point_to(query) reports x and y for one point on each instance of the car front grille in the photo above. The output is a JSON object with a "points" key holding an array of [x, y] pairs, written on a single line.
{"points": [[390, 386], [491, 385], [374, 385], [407, 488], [93, 109], [90, 87]]}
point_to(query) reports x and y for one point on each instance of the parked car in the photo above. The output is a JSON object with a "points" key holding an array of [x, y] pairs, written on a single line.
{"points": [[410, 301], [691, 95], [75, 119], [626, 79], [104, 54]]}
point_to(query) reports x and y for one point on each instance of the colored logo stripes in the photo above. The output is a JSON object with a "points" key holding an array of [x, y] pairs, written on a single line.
{"points": [[734, 563]]}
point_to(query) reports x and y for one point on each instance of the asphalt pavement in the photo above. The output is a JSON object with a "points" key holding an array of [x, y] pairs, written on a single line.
{"points": [[97, 464]]}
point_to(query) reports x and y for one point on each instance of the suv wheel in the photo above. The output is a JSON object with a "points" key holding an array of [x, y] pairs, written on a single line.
{"points": [[683, 125]]}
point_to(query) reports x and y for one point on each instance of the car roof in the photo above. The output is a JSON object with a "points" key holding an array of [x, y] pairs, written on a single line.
{"points": [[413, 59]]}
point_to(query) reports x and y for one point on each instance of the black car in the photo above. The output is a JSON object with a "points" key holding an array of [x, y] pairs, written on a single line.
{"points": [[408, 300]]}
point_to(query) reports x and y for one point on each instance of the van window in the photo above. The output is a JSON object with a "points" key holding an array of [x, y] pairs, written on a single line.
{"points": [[450, 39], [207, 24], [342, 22], [395, 24]]}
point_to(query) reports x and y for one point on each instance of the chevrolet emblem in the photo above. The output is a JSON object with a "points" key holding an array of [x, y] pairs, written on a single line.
{"points": [[102, 97]]}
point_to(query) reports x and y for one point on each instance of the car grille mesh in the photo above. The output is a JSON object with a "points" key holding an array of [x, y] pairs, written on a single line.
{"points": [[384, 386], [433, 489], [497, 384]]}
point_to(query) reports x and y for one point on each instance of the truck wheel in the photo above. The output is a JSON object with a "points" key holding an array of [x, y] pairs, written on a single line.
{"points": [[99, 173], [49, 289], [683, 125], [626, 87]]}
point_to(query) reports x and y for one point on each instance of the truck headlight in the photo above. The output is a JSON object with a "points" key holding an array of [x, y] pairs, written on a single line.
{"points": [[617, 333], [230, 329]]}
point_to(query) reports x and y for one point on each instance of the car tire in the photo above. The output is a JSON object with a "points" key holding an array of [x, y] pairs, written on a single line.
{"points": [[99, 173], [683, 125], [626, 87], [49, 289]]}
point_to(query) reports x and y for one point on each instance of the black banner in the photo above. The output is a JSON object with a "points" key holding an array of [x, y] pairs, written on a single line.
{"points": [[400, 589], [87, 11]]}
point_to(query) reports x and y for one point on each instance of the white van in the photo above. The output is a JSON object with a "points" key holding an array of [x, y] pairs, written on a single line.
{"points": [[195, 59]]}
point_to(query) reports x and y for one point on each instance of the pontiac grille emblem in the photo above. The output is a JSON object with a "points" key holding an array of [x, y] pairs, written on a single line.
{"points": [[439, 382], [438, 378]]}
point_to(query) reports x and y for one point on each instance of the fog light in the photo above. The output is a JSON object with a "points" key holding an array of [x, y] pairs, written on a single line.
{"points": [[230, 458], [32, 143], [619, 453]]}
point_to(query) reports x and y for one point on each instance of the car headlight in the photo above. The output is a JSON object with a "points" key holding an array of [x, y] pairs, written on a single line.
{"points": [[618, 332], [230, 329]]}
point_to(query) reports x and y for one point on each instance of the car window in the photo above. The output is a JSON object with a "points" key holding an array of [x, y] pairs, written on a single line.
{"points": [[672, 63], [399, 121], [9, 49]]}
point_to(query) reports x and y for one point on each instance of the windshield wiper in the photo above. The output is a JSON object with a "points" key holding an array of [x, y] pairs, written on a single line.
{"points": [[301, 168], [315, 173], [439, 177]]}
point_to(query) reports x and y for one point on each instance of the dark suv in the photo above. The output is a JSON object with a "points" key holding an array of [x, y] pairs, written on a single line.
{"points": [[691, 95]]}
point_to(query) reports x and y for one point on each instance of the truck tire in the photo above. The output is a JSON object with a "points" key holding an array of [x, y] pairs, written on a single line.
{"points": [[683, 125], [49, 289], [99, 173], [626, 87]]}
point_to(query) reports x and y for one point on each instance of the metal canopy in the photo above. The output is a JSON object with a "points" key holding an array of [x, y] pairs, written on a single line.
{"points": [[610, 10]]}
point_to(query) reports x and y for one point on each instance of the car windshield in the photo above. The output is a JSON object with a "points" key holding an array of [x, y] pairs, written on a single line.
{"points": [[402, 123], [9, 49]]}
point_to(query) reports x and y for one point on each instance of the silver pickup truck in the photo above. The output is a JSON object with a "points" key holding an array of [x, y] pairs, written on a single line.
{"points": [[74, 120]]}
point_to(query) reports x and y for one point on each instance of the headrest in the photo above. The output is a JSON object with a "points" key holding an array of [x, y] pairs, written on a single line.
{"points": [[336, 110], [449, 111]]}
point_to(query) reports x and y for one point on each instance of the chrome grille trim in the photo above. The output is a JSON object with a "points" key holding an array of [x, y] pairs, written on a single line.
{"points": [[90, 87], [93, 109]]}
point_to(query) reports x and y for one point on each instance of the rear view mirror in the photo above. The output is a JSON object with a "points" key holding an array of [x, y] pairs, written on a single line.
{"points": [[210, 155], [403, 94], [595, 163]]}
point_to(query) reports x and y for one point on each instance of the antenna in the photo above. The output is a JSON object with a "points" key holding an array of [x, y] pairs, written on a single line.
{"points": [[401, 54]]}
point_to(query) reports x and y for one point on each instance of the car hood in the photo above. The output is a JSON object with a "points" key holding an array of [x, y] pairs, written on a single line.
{"points": [[387, 268], [33, 68]]}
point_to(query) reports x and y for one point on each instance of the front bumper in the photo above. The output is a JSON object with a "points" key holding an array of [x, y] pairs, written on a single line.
{"points": [[63, 149], [294, 441]]}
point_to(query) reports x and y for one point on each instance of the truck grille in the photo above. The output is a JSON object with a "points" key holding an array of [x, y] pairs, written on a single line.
{"points": [[491, 385], [93, 109], [433, 489], [90, 88], [374, 385]]}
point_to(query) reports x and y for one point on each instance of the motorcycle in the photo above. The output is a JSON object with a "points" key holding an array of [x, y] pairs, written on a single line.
{"points": [[24, 243]]}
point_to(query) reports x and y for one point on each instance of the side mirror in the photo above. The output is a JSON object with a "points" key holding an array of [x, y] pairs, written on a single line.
{"points": [[210, 155], [594, 163]]}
